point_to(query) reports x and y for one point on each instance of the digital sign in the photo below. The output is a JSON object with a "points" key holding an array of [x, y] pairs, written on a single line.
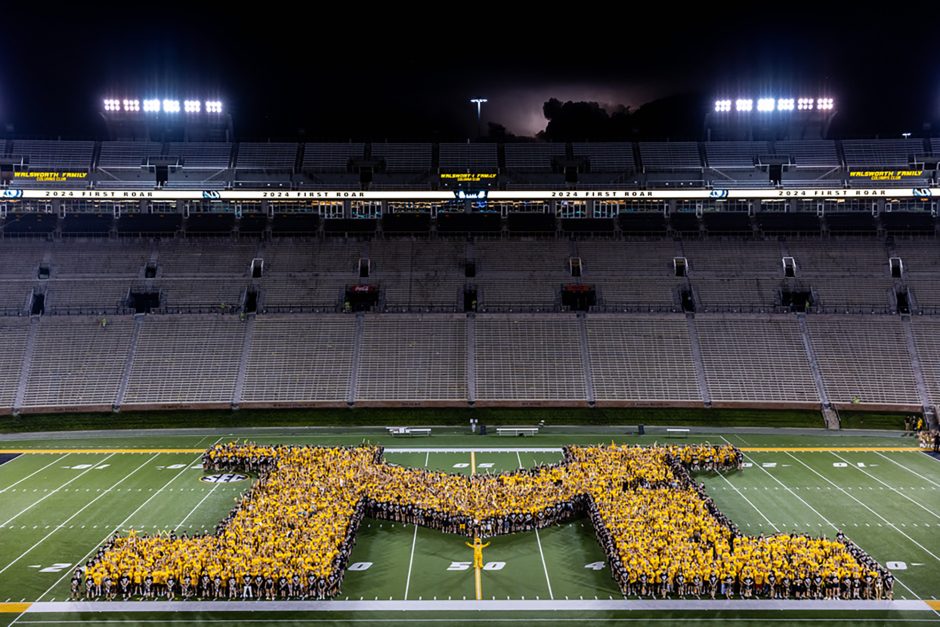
{"points": [[885, 175], [50, 176], [468, 177]]}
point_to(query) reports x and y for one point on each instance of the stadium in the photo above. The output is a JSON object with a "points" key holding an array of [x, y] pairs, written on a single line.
{"points": [[609, 376]]}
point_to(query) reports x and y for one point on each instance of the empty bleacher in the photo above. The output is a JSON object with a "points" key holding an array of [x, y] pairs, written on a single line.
{"points": [[755, 359], [124, 165], [185, 360], [615, 157], [265, 164], [332, 158], [927, 340], [670, 156], [54, 156], [536, 157], [643, 359], [734, 154], [812, 153], [78, 361], [528, 358], [403, 158], [863, 359], [883, 153], [468, 156], [299, 359], [13, 336], [204, 165], [413, 358]]}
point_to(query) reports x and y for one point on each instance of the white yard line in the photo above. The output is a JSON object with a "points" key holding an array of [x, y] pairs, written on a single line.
{"points": [[414, 541], [86, 506], [124, 522], [885, 520], [910, 470], [538, 539], [882, 518], [411, 561], [815, 511], [887, 485], [757, 509], [422, 449], [75, 478], [193, 510], [36, 472]]}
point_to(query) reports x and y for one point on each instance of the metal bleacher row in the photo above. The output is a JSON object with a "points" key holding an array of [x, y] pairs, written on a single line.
{"points": [[721, 335], [98, 276], [78, 363], [391, 165]]}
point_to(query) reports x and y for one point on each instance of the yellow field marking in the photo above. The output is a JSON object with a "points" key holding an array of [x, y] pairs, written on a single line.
{"points": [[934, 605], [477, 575], [824, 449], [746, 449], [14, 608], [478, 579], [57, 451]]}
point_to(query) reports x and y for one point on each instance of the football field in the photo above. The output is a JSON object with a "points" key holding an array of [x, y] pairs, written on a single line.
{"points": [[60, 499]]}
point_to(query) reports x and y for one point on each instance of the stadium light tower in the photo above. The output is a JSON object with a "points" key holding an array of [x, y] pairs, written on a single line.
{"points": [[479, 103]]}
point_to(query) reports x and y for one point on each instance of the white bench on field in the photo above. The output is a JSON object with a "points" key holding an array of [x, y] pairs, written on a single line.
{"points": [[523, 431], [680, 432], [417, 431]]}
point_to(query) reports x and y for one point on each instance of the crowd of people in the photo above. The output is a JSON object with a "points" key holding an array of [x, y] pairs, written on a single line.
{"points": [[290, 535], [929, 440]]}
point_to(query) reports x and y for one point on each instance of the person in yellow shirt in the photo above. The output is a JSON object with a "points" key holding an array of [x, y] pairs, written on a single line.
{"points": [[477, 547]]}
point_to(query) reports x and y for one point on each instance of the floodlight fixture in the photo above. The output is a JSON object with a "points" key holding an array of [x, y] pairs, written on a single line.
{"points": [[171, 106], [743, 104], [722, 106], [151, 106], [192, 106], [766, 104], [784, 104]]}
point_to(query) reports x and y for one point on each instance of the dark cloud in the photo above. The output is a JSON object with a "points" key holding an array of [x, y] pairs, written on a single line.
{"points": [[358, 71]]}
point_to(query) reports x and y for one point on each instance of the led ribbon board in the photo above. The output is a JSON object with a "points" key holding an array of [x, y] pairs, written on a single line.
{"points": [[301, 516]]}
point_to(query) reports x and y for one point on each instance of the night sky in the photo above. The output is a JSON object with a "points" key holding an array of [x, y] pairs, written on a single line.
{"points": [[369, 74]]}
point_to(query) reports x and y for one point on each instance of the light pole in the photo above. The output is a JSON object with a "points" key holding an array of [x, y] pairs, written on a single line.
{"points": [[479, 103]]}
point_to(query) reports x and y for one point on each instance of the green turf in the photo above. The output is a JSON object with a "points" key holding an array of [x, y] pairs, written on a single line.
{"points": [[871, 420], [889, 506], [410, 416]]}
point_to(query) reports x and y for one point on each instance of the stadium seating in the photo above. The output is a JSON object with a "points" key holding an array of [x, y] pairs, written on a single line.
{"points": [[78, 361], [467, 156], [643, 359], [755, 359], [413, 358], [528, 358], [299, 359], [469, 306], [864, 360], [185, 360]]}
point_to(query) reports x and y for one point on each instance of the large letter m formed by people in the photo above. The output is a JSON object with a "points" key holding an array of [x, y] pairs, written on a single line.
{"points": [[300, 517]]}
